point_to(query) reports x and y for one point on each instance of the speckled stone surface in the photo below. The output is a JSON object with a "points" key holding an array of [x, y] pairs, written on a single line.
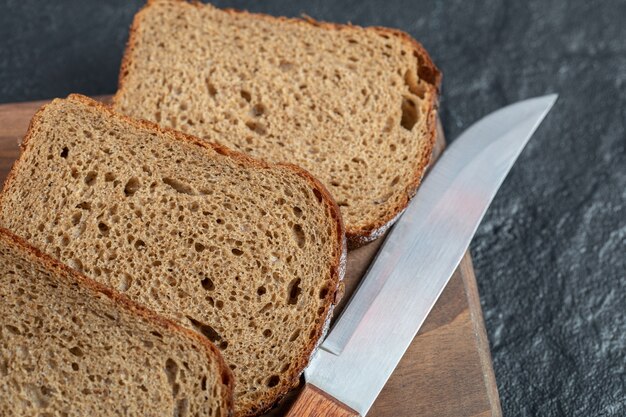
{"points": [[550, 256]]}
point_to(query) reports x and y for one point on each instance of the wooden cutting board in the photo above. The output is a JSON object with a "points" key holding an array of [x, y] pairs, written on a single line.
{"points": [[447, 370]]}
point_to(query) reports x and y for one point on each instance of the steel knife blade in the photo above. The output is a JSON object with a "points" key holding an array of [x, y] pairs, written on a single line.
{"points": [[415, 263]]}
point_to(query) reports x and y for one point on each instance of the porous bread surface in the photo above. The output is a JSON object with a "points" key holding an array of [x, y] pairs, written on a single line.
{"points": [[354, 106], [71, 348], [245, 253]]}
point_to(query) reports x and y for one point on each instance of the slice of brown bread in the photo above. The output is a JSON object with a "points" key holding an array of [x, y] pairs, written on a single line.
{"points": [[248, 254], [354, 106], [70, 346]]}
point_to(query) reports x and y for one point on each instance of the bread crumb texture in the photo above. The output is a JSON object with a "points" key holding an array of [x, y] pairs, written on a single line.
{"points": [[67, 349], [246, 254], [354, 106]]}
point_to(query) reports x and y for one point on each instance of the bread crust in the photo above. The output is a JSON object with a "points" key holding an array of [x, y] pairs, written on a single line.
{"points": [[337, 268], [72, 276], [427, 71]]}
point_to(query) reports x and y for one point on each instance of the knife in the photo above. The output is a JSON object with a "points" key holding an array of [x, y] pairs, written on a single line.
{"points": [[414, 264]]}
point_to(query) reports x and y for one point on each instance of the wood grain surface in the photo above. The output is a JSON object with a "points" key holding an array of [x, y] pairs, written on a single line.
{"points": [[447, 370], [312, 402]]}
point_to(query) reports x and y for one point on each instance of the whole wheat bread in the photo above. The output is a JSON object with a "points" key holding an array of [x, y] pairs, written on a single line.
{"points": [[70, 346], [354, 106], [248, 254]]}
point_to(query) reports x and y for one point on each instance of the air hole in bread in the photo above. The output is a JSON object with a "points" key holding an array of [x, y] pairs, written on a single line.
{"points": [[207, 284], [258, 110], [267, 333], [293, 291], [297, 211], [109, 176], [318, 194], [257, 128], [125, 282], [110, 316], [13, 329], [179, 186], [211, 88], [237, 252], [175, 391], [425, 72], [323, 293], [261, 290], [246, 95], [395, 180], [76, 351], [75, 366], [171, 371], [76, 218], [140, 244], [64, 152], [199, 247], [103, 228], [182, 407], [225, 378], [298, 235], [131, 187], [410, 79], [409, 114], [285, 65], [273, 380], [204, 329]]}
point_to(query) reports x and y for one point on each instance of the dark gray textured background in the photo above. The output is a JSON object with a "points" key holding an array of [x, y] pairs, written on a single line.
{"points": [[550, 256]]}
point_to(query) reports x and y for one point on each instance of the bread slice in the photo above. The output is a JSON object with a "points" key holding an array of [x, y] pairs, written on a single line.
{"points": [[246, 253], [354, 106], [70, 346]]}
